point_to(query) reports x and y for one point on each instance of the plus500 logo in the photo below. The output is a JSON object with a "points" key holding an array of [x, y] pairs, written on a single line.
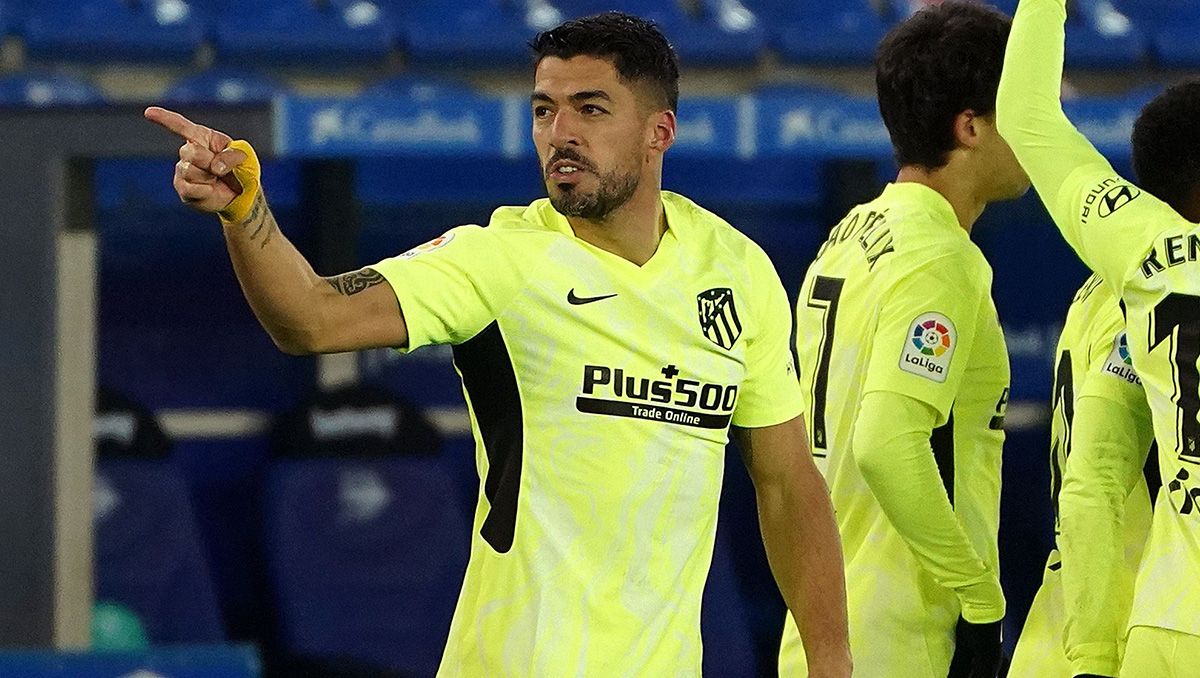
{"points": [[690, 393]]}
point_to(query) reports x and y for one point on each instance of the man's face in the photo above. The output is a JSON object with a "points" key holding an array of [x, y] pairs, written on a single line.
{"points": [[592, 134]]}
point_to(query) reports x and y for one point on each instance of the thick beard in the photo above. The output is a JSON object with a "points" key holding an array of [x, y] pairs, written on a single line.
{"points": [[615, 190]]}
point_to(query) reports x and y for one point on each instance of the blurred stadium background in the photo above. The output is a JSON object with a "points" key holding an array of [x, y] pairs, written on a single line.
{"points": [[257, 512]]}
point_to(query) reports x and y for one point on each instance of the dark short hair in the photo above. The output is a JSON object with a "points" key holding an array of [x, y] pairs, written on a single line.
{"points": [[941, 61], [637, 49], [1166, 145]]}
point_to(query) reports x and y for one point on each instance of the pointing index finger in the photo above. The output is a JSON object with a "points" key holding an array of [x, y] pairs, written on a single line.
{"points": [[176, 123]]}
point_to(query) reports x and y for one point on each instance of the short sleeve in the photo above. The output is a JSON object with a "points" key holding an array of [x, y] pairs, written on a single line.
{"points": [[1109, 222], [453, 286], [770, 393], [927, 324], [1111, 374]]}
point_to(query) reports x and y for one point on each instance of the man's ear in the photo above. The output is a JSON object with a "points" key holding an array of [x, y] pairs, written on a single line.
{"points": [[662, 130], [966, 129]]}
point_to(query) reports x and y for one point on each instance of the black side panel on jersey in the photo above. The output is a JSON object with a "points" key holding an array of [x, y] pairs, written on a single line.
{"points": [[491, 385], [1152, 474], [942, 442]]}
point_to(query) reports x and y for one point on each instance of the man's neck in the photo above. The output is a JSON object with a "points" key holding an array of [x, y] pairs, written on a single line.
{"points": [[632, 231], [955, 185]]}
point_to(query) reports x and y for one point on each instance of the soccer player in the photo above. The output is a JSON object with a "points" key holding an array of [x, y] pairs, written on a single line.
{"points": [[1076, 626], [904, 363], [607, 339], [1144, 242]]}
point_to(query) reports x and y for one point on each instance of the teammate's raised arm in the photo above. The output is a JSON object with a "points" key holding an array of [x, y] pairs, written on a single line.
{"points": [[1076, 183], [303, 312], [1029, 111]]}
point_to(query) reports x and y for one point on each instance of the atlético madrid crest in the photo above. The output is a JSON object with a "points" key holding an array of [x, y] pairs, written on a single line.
{"points": [[718, 316]]}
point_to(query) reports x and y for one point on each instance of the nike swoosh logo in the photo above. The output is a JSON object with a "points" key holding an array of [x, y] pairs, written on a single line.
{"points": [[579, 301]]}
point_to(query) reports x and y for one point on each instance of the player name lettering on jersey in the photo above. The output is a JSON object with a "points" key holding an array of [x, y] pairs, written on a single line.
{"points": [[708, 405], [867, 228], [1174, 251]]}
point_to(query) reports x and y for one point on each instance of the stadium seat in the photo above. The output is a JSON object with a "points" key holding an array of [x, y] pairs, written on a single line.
{"points": [[716, 35], [1171, 27], [7, 18], [1088, 48], [224, 86], [148, 553], [310, 34], [366, 535], [837, 32], [151, 30], [1175, 46], [480, 34], [47, 89]]}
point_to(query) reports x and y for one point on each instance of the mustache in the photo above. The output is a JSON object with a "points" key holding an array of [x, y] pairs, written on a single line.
{"points": [[570, 155]]}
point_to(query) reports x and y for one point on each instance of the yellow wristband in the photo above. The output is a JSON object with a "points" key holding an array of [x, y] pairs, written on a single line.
{"points": [[249, 174]]}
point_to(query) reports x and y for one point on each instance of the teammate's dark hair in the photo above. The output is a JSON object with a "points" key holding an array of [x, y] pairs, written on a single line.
{"points": [[1166, 146], [637, 49], [941, 61]]}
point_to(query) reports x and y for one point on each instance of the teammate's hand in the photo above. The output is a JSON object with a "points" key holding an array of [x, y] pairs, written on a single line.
{"points": [[976, 650], [205, 176]]}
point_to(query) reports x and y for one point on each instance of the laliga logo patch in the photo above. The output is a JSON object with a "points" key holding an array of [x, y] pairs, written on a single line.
{"points": [[929, 347], [436, 243], [1120, 363]]}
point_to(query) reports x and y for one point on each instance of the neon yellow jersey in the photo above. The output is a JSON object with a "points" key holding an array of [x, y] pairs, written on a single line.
{"points": [[899, 300], [1150, 256], [1087, 603], [600, 395]]}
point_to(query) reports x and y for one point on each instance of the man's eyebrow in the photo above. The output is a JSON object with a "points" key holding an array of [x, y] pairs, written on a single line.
{"points": [[541, 97], [590, 94]]}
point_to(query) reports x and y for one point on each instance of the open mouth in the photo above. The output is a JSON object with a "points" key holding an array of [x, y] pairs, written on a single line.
{"points": [[566, 171]]}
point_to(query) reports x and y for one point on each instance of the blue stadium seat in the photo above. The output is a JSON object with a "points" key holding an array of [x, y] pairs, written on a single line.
{"points": [[366, 534], [47, 89], [829, 33], [1171, 26], [1087, 48], [1175, 46], [224, 86], [148, 552], [301, 33], [700, 40], [484, 33], [7, 19], [151, 30]]}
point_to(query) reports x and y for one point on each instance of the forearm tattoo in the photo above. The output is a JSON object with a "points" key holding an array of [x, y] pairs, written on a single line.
{"points": [[261, 223], [355, 281]]}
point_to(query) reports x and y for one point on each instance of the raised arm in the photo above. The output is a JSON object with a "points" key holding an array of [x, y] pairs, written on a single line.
{"points": [[1083, 194], [1029, 111], [303, 312], [801, 540]]}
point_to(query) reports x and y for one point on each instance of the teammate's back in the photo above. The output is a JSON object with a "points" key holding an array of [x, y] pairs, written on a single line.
{"points": [[903, 298], [904, 366]]}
